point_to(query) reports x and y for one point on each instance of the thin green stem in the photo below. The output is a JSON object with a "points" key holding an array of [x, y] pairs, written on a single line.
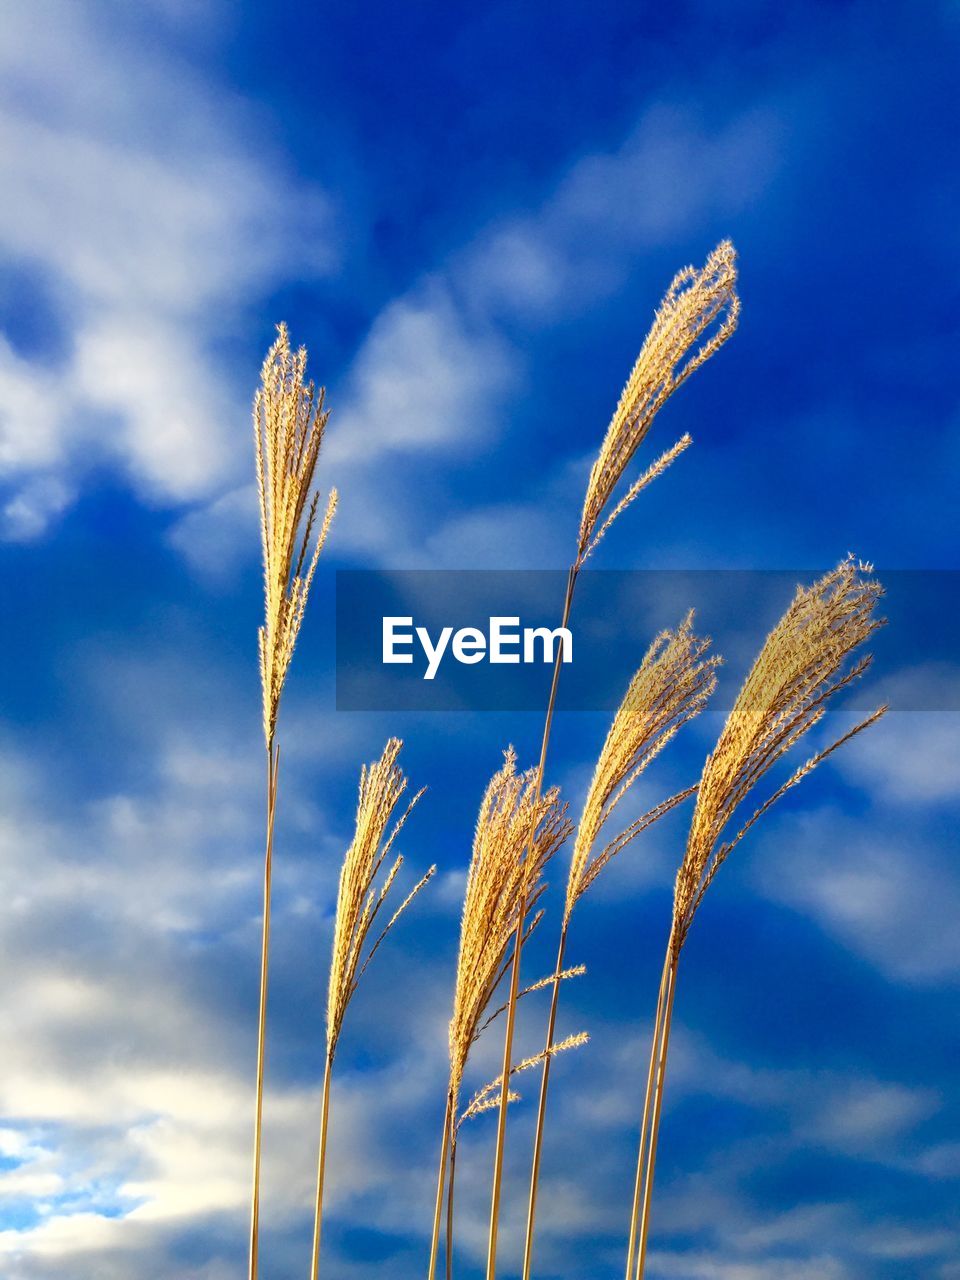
{"points": [[542, 1107], [273, 765], [517, 949]]}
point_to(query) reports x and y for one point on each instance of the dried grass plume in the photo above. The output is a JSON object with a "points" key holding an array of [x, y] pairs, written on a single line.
{"points": [[696, 302], [800, 667], [359, 900], [502, 878], [802, 664], [671, 686], [289, 423], [487, 1098]]}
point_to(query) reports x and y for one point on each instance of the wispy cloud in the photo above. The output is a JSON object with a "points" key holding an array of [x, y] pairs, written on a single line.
{"points": [[154, 211], [887, 893], [443, 365]]}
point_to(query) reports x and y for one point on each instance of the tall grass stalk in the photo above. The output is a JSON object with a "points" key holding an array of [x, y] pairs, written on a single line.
{"points": [[655, 1047], [652, 1106], [801, 666], [442, 1173], [448, 1239], [672, 685], [511, 1012], [289, 423], [321, 1165], [698, 313], [487, 1099], [273, 764], [360, 900], [505, 870]]}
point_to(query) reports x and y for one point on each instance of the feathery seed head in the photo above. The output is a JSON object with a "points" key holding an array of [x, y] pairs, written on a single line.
{"points": [[697, 301], [289, 422], [500, 881], [359, 901], [671, 686], [488, 1097], [801, 666]]}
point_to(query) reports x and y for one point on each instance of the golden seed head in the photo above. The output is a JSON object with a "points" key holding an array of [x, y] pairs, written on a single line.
{"points": [[699, 312], [671, 686], [801, 666], [502, 881], [359, 900], [488, 1097], [289, 421]]}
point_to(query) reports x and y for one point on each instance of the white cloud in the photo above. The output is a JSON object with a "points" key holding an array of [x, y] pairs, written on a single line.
{"points": [[909, 758], [704, 1266], [127, 1091], [851, 1113], [942, 1160], [28, 414], [422, 380], [441, 363], [218, 537], [26, 514], [534, 534], [805, 1114], [883, 893], [670, 175], [151, 205], [866, 1117]]}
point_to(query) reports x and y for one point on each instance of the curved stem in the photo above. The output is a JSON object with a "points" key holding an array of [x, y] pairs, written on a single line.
{"points": [[645, 1121], [655, 1126], [321, 1167], [518, 947], [441, 1175], [453, 1174], [273, 764], [542, 1107]]}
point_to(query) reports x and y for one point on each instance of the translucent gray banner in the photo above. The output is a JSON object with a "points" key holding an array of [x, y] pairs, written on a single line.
{"points": [[477, 640]]}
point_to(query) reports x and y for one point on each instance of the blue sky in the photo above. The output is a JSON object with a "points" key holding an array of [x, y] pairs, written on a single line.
{"points": [[468, 217]]}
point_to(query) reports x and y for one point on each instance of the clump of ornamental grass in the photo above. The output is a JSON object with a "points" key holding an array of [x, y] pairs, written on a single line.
{"points": [[518, 830], [697, 316], [804, 663], [360, 908], [672, 685], [289, 422]]}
